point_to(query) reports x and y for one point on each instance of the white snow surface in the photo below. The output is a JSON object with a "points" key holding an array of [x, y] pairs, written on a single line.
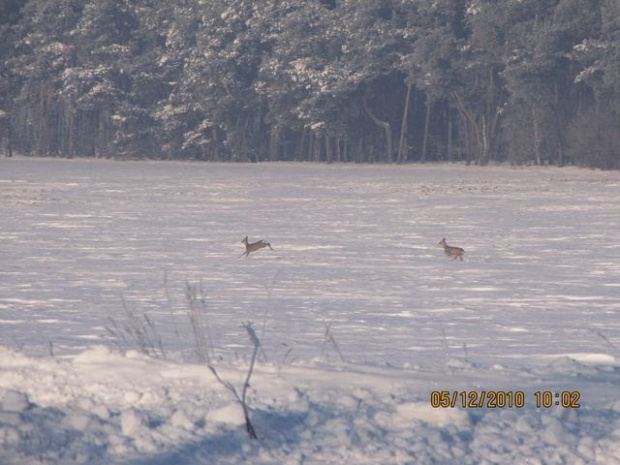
{"points": [[535, 306]]}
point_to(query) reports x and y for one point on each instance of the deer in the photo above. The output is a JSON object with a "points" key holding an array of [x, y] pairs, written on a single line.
{"points": [[253, 247], [450, 251]]}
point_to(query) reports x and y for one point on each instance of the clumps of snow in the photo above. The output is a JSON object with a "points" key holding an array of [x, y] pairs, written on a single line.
{"points": [[587, 45], [103, 406], [229, 414], [586, 74], [15, 401], [101, 354], [408, 413]]}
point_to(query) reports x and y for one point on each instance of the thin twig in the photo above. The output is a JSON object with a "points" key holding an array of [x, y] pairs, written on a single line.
{"points": [[242, 399], [466, 352], [246, 384], [606, 339], [331, 340]]}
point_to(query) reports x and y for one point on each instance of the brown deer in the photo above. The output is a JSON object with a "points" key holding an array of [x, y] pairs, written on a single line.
{"points": [[253, 247], [450, 251]]}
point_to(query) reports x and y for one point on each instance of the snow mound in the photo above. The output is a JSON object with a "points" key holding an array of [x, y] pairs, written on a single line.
{"points": [[78, 411]]}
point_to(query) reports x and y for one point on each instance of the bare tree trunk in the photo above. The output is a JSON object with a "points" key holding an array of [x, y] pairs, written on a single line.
{"points": [[402, 149], [274, 143], [70, 133], [328, 150], [302, 142], [102, 137], [470, 146], [558, 126], [468, 117], [450, 149], [316, 156], [386, 127], [537, 140], [44, 122], [338, 153], [9, 119], [360, 150], [9, 135], [484, 157], [310, 145], [426, 124], [245, 149], [489, 119], [214, 146], [597, 99]]}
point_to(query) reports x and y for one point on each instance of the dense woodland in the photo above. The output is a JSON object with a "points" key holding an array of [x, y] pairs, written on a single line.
{"points": [[479, 81]]}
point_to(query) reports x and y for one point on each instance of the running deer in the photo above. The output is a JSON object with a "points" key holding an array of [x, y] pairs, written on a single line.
{"points": [[253, 247], [454, 252]]}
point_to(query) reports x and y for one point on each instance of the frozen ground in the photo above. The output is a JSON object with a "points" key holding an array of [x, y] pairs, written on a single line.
{"points": [[534, 306]]}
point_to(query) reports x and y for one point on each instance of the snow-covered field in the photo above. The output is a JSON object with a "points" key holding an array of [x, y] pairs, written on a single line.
{"points": [[534, 306]]}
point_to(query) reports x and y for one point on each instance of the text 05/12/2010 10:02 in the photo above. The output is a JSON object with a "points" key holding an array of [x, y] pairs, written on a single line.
{"points": [[504, 399]]}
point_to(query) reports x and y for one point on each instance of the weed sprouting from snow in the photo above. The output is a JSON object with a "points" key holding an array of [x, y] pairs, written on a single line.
{"points": [[242, 399], [139, 332], [606, 339], [287, 354], [465, 351], [204, 348], [203, 340], [330, 341]]}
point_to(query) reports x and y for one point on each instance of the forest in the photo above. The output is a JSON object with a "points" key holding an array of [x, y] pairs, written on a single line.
{"points": [[366, 81]]}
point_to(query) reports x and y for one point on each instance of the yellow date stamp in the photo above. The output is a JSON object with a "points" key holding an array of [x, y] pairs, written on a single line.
{"points": [[505, 399]]}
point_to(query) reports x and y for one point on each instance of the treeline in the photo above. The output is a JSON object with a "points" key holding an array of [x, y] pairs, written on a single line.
{"points": [[520, 81]]}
